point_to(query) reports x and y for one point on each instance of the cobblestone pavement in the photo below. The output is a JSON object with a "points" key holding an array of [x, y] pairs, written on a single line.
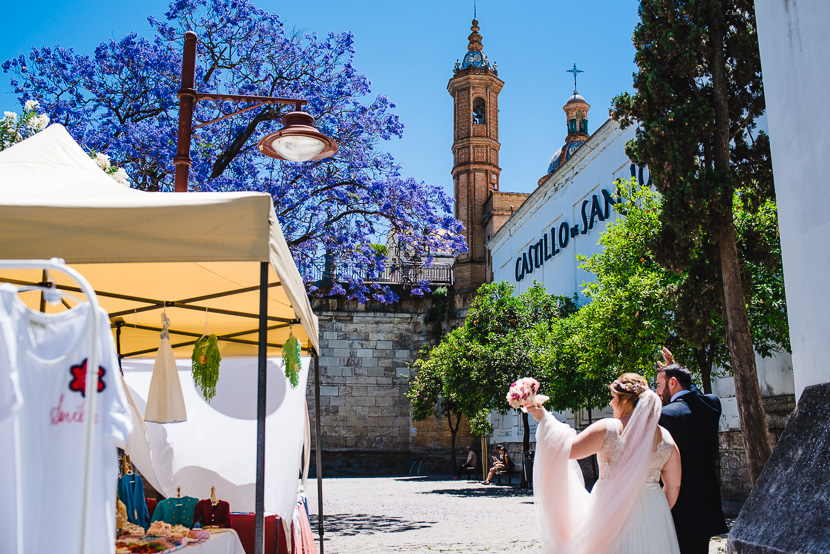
{"points": [[424, 514]]}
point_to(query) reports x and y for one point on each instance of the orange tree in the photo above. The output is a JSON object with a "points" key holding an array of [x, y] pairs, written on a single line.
{"points": [[472, 367]]}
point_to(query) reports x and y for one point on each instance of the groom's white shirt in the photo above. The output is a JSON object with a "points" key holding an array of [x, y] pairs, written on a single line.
{"points": [[678, 394]]}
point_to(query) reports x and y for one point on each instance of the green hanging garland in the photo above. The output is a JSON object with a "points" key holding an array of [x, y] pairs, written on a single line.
{"points": [[206, 360], [292, 363]]}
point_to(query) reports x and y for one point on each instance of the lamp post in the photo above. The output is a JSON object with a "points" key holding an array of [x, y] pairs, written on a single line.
{"points": [[297, 141]]}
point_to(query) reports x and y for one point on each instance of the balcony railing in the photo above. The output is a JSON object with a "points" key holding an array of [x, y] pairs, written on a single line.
{"points": [[406, 274]]}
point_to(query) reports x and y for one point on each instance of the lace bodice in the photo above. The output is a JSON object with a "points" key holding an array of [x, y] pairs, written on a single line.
{"points": [[613, 447]]}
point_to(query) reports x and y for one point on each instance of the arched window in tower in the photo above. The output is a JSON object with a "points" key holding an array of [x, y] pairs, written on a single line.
{"points": [[572, 126], [478, 112], [581, 122]]}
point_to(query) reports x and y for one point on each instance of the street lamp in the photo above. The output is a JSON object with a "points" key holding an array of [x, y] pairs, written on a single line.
{"points": [[297, 141]]}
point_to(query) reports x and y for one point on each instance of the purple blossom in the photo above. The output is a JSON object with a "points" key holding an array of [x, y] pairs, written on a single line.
{"points": [[122, 100]]}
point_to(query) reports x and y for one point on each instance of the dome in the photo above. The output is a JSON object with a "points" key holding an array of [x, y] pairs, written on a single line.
{"points": [[475, 59], [575, 99], [563, 154], [554, 161]]}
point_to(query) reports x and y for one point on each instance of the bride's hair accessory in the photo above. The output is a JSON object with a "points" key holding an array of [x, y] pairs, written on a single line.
{"points": [[630, 383], [523, 393], [632, 388]]}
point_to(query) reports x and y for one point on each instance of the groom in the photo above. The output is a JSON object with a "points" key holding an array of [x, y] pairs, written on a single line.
{"points": [[692, 419]]}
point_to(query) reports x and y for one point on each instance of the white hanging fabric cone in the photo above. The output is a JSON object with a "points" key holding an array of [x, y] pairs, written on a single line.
{"points": [[165, 401]]}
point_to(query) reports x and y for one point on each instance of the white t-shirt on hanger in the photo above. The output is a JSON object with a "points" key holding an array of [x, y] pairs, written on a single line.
{"points": [[49, 429]]}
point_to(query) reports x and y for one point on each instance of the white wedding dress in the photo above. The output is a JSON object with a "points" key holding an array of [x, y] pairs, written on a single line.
{"points": [[626, 512], [649, 528]]}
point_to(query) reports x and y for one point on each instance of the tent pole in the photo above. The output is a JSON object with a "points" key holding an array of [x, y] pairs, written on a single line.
{"points": [[318, 448], [259, 518]]}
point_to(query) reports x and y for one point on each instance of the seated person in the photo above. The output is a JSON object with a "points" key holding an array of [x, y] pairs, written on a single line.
{"points": [[501, 463], [469, 464]]}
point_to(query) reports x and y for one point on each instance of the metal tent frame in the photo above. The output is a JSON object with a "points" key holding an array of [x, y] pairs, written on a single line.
{"points": [[265, 324]]}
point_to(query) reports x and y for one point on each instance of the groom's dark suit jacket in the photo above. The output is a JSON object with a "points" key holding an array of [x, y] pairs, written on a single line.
{"points": [[692, 419]]}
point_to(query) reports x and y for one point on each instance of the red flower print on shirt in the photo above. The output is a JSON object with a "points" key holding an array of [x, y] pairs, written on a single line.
{"points": [[79, 378]]}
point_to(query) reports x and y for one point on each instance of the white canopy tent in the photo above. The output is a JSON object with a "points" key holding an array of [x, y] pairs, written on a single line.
{"points": [[215, 261]]}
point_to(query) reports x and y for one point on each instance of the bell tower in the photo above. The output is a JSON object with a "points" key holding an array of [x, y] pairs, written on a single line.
{"points": [[475, 88]]}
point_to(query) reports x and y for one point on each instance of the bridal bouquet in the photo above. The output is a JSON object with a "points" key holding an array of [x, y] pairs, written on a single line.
{"points": [[523, 393]]}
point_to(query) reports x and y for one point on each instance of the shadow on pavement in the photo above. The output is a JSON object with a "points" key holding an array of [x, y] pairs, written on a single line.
{"points": [[486, 491], [356, 524], [423, 478]]}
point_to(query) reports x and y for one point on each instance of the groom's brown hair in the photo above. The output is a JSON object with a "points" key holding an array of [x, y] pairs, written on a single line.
{"points": [[679, 372]]}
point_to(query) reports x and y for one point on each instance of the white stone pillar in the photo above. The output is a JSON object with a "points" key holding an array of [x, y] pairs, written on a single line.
{"points": [[795, 52]]}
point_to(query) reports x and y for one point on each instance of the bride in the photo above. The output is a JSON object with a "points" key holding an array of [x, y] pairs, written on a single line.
{"points": [[626, 512]]}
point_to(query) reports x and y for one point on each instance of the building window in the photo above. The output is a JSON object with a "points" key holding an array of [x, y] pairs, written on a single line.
{"points": [[479, 112]]}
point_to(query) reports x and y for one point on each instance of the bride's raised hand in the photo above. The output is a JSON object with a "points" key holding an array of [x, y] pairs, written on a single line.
{"points": [[537, 411]]}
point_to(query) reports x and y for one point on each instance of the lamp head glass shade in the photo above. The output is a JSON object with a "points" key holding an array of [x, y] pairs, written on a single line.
{"points": [[298, 140]]}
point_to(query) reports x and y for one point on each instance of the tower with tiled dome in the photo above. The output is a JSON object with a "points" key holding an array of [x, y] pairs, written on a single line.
{"points": [[475, 88], [576, 116]]}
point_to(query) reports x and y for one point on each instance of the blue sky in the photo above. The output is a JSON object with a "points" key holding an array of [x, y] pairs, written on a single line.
{"points": [[408, 49]]}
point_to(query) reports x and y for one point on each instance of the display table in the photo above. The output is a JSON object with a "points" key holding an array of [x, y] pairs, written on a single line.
{"points": [[222, 541]]}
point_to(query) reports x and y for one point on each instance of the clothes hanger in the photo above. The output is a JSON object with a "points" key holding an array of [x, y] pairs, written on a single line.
{"points": [[213, 499], [51, 294], [178, 492]]}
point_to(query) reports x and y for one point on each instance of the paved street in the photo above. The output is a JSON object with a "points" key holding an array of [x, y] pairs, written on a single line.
{"points": [[425, 514]]}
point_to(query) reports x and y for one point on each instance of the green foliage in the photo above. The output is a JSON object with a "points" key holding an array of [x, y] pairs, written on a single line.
{"points": [[205, 363], [679, 132], [635, 307], [437, 313], [380, 250], [759, 249], [14, 128], [473, 366], [699, 96], [291, 360]]}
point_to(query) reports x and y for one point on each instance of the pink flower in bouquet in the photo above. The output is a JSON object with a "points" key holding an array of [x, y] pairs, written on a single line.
{"points": [[523, 393]]}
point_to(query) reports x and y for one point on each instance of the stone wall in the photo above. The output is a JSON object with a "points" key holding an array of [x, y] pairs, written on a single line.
{"points": [[735, 483], [365, 357]]}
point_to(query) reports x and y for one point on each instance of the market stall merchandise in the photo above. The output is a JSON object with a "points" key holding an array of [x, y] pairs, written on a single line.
{"points": [[220, 254], [48, 447], [216, 446], [216, 541]]}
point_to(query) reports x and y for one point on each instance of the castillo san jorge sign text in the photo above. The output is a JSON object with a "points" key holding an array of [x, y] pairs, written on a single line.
{"points": [[557, 238]]}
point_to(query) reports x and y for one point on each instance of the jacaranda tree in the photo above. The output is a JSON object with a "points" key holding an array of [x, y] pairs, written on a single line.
{"points": [[122, 100]]}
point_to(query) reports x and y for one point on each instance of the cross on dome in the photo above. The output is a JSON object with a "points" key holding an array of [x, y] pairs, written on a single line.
{"points": [[575, 71]]}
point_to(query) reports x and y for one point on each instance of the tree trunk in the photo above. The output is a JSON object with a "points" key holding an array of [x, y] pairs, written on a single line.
{"points": [[754, 428], [525, 447], [705, 370], [453, 433], [594, 460]]}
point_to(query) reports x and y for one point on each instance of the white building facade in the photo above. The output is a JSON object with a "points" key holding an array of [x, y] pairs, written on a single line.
{"points": [[563, 220]]}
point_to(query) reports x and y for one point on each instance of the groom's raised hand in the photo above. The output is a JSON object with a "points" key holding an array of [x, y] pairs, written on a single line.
{"points": [[668, 358]]}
